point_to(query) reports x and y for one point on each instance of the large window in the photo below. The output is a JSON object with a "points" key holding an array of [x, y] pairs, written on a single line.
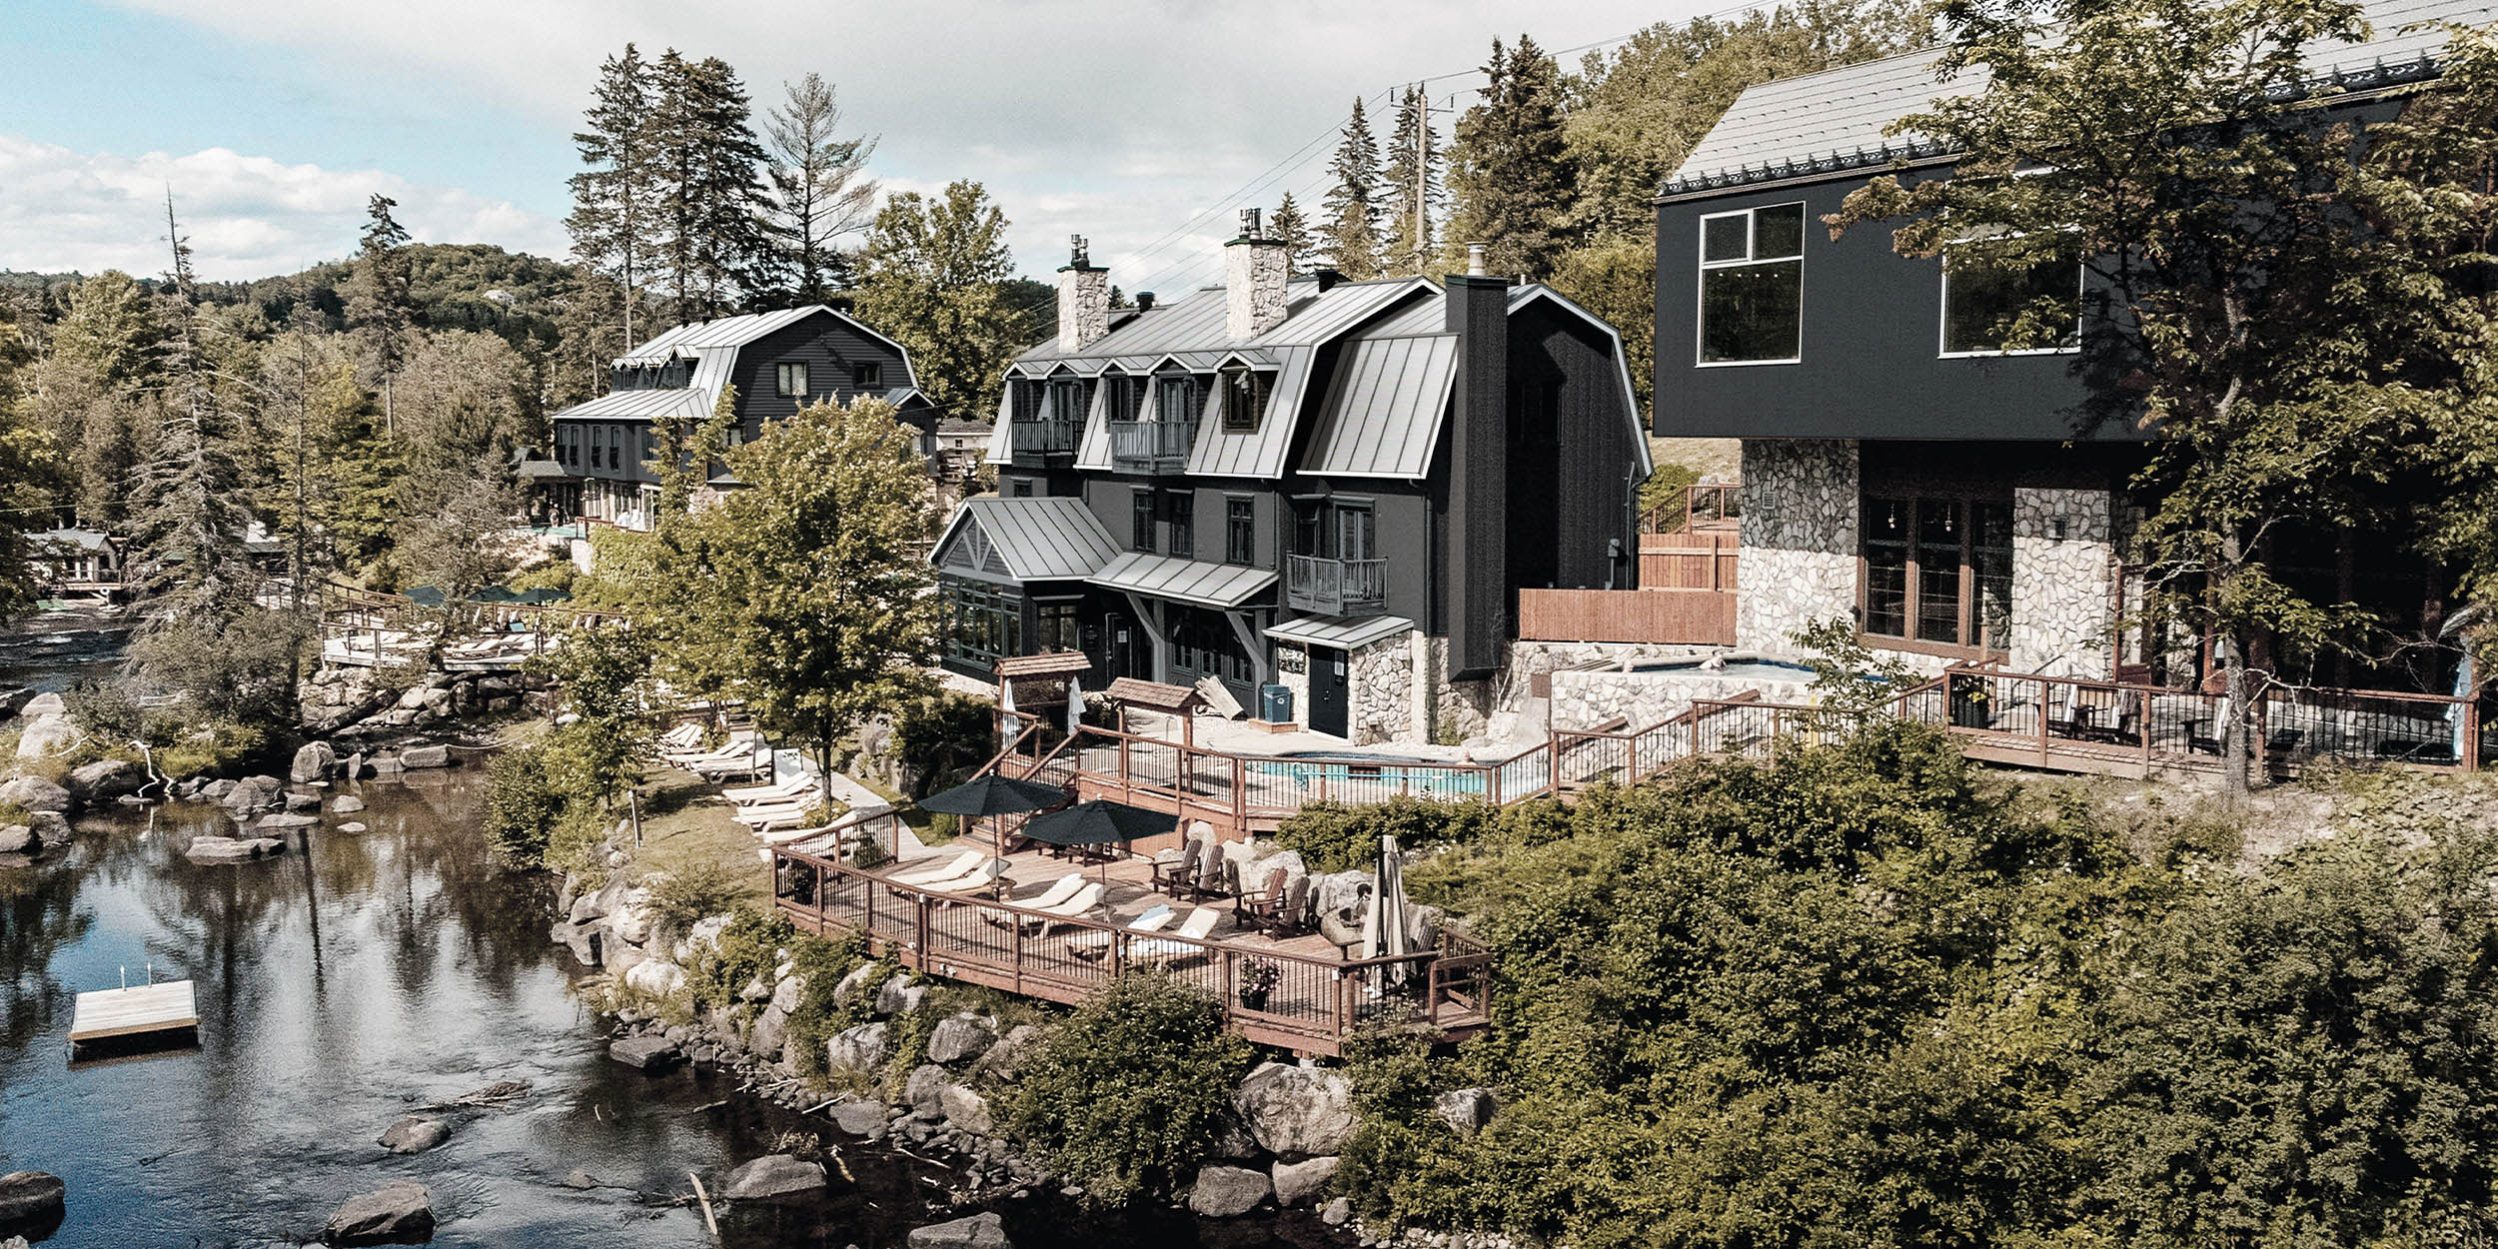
{"points": [[867, 375], [1141, 521], [1182, 510], [1069, 397], [1244, 400], [1938, 571], [1989, 310], [1752, 286], [1058, 631], [983, 623], [790, 379], [1240, 531]]}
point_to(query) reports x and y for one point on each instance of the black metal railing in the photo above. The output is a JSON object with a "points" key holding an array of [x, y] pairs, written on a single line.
{"points": [[1030, 438], [1152, 446], [1335, 587]]}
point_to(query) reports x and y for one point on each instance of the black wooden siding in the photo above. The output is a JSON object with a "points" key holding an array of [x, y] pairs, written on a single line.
{"points": [[1574, 472]]}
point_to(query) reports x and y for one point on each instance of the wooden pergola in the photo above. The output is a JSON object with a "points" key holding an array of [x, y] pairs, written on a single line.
{"points": [[1041, 680], [1183, 701]]}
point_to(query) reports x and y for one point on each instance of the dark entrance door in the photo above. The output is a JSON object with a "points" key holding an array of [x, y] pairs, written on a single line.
{"points": [[1119, 635], [1330, 684]]}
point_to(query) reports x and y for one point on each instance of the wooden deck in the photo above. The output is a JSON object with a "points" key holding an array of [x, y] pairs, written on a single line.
{"points": [[1321, 993], [140, 1010]]}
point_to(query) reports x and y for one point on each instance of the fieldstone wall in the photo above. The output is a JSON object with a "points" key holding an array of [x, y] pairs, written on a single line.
{"points": [[1292, 671], [1584, 699], [2063, 582], [1382, 697], [1799, 539]]}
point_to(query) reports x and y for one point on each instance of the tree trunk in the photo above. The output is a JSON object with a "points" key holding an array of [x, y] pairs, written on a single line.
{"points": [[2237, 733]]}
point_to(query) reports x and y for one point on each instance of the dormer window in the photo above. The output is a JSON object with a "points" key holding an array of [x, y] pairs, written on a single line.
{"points": [[1175, 399], [1244, 400], [1752, 286], [1068, 399], [790, 379]]}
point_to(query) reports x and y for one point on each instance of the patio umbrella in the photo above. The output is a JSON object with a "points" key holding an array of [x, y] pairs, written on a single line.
{"points": [[1099, 822], [993, 795], [1383, 929], [1075, 704]]}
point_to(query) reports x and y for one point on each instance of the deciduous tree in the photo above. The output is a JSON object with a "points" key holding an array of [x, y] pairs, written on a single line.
{"points": [[934, 276]]}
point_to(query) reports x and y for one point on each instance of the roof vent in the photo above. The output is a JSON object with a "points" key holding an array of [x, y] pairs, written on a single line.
{"points": [[1144, 301]]}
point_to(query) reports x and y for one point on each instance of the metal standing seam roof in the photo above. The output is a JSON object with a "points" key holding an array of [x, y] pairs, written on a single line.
{"points": [[1341, 632], [1036, 539], [1201, 582], [1382, 412], [712, 346], [642, 405], [1836, 119]]}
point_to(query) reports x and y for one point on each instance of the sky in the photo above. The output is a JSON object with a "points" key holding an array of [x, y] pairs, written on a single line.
{"points": [[1142, 124]]}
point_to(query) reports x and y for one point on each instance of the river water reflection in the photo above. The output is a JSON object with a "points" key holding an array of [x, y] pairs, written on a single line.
{"points": [[345, 982]]}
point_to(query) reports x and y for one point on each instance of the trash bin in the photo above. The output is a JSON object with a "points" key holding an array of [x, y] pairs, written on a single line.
{"points": [[1275, 704]]}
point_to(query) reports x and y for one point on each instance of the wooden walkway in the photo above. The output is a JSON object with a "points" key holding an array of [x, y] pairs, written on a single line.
{"points": [[138, 1011]]}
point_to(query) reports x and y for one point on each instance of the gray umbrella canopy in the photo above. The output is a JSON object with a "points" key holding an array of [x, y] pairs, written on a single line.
{"points": [[1098, 823], [994, 795]]}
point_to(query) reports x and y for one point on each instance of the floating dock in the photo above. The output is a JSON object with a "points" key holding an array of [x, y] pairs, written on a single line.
{"points": [[148, 1010]]}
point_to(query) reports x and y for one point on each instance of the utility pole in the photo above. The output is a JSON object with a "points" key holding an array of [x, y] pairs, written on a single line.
{"points": [[1422, 180]]}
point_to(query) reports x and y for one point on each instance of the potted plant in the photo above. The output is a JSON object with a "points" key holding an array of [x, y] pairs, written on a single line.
{"points": [[1258, 978]]}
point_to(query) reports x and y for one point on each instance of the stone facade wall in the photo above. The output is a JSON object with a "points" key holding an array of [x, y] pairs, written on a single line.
{"points": [[2064, 571], [1587, 698], [1799, 539], [1381, 702]]}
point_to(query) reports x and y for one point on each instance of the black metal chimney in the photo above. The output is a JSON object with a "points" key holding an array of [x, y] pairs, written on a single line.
{"points": [[1478, 491]]}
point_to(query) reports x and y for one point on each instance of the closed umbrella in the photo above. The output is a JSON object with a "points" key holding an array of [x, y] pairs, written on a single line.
{"points": [[994, 795], [1099, 822], [1008, 723], [1384, 928], [1075, 705]]}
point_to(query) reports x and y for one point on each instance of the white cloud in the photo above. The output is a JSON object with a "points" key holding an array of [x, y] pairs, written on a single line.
{"points": [[1113, 118], [247, 216]]}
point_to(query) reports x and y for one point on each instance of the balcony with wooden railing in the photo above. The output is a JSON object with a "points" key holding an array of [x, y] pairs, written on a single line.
{"points": [[1042, 439], [1335, 587], [1151, 446]]}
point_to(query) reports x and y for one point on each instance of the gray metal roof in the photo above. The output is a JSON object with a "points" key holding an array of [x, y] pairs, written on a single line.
{"points": [[643, 405], [1018, 540], [1186, 580], [1382, 411], [683, 341], [1341, 632], [712, 347], [1833, 120]]}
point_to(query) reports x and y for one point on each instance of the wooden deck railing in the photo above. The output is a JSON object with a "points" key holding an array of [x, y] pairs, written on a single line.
{"points": [[1315, 1003]]}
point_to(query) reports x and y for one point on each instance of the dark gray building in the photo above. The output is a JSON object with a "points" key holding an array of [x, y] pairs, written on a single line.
{"points": [[778, 361], [1953, 497], [1333, 487]]}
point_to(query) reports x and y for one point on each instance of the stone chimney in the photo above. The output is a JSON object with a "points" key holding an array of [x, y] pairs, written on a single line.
{"points": [[1083, 298], [1255, 268]]}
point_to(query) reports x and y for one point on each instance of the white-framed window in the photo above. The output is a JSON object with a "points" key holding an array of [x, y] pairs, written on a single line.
{"points": [[790, 377], [1752, 286], [1993, 310]]}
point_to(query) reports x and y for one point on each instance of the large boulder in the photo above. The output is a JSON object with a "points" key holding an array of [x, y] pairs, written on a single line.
{"points": [[1296, 1183], [415, 757], [1228, 1192], [314, 762], [899, 996], [861, 979], [1464, 1110], [773, 1177], [18, 839], [959, 1038], [283, 821], [861, 1050], [31, 1197], [1004, 1061], [647, 1053], [414, 1134], [250, 794], [860, 1117], [631, 917], [48, 703], [924, 1090], [104, 780], [1296, 1112], [33, 793], [214, 849], [656, 978], [45, 736], [770, 1033], [966, 1110], [980, 1231], [400, 1212]]}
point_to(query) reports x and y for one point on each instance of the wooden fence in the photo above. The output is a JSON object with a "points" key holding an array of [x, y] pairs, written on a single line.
{"points": [[1686, 616], [1702, 560]]}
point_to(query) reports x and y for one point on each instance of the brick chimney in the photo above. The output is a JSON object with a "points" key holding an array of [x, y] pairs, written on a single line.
{"points": [[1478, 492], [1083, 298], [1255, 268]]}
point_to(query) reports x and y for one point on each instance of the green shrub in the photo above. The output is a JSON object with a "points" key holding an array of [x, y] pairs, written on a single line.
{"points": [[523, 805], [822, 962], [696, 891], [1125, 1096], [748, 950], [944, 736], [1336, 838]]}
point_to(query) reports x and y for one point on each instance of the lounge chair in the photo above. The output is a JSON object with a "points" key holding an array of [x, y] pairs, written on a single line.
{"points": [[738, 748], [957, 866], [682, 737], [1063, 888], [982, 877], [785, 836], [1087, 897], [1164, 950], [1095, 944], [774, 794]]}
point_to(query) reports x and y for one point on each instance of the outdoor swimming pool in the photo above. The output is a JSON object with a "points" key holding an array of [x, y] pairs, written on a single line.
{"points": [[1367, 778]]}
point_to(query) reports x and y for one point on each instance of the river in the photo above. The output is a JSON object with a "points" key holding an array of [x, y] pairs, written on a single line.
{"points": [[352, 979]]}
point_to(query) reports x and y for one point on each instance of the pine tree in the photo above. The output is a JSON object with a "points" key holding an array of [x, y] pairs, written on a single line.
{"points": [[1510, 170], [711, 185], [1351, 229], [1291, 229], [615, 200], [1414, 191], [819, 191], [380, 302]]}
